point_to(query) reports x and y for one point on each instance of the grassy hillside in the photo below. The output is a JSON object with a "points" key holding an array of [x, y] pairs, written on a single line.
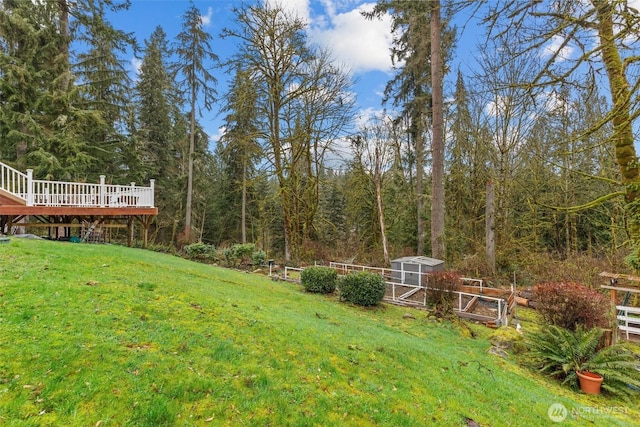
{"points": [[105, 335]]}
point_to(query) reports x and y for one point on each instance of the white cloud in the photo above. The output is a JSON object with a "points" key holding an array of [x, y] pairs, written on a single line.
{"points": [[368, 115], [555, 45], [633, 36], [206, 19], [136, 65], [215, 137], [299, 8], [362, 45], [492, 107]]}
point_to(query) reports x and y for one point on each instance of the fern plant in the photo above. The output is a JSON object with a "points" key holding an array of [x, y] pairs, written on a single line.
{"points": [[560, 352]]}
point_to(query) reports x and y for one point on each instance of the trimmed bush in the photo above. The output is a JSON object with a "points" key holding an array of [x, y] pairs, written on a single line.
{"points": [[322, 280], [229, 257], [258, 257], [569, 305], [243, 252], [362, 288], [200, 251]]}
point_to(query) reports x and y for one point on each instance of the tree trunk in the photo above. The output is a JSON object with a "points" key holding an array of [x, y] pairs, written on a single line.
{"points": [[378, 185], [244, 201], [419, 186], [192, 137], [622, 136], [63, 8], [280, 173], [437, 202], [490, 227]]}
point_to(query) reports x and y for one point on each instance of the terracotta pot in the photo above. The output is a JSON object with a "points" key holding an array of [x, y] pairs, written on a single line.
{"points": [[590, 382]]}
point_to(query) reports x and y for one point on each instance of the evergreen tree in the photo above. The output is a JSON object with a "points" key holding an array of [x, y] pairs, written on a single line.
{"points": [[156, 97], [193, 49], [467, 173], [21, 86], [158, 132], [411, 87], [39, 120], [239, 149], [104, 85]]}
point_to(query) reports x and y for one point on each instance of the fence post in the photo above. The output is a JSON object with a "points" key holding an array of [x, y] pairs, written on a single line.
{"points": [[29, 187], [101, 193]]}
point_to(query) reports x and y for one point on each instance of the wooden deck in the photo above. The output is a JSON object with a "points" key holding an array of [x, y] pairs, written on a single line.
{"points": [[65, 209]]}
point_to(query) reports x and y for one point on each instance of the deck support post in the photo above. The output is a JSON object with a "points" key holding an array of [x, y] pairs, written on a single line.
{"points": [[129, 230]]}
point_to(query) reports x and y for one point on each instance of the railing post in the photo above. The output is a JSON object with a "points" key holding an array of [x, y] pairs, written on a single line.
{"points": [[131, 199], [29, 187], [153, 199], [101, 191]]}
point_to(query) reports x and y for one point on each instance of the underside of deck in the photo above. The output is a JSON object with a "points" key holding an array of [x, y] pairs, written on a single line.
{"points": [[67, 210], [65, 222]]}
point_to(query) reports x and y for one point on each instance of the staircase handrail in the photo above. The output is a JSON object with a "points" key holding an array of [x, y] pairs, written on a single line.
{"points": [[13, 181]]}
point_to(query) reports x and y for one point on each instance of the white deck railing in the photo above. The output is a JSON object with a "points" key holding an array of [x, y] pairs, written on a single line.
{"points": [[628, 320], [12, 181], [36, 192]]}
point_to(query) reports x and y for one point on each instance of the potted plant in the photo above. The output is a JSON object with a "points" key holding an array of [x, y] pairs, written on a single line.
{"points": [[590, 382], [579, 355]]}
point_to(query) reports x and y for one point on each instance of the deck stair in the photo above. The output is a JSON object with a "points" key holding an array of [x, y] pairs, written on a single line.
{"points": [[13, 185], [93, 233]]}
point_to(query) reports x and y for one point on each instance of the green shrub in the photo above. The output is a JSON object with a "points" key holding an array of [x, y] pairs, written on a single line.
{"points": [[569, 305], [319, 279], [258, 257], [560, 352], [243, 252], [200, 251], [229, 257], [362, 288]]}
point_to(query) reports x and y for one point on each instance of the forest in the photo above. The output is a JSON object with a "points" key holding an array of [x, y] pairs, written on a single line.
{"points": [[532, 156]]}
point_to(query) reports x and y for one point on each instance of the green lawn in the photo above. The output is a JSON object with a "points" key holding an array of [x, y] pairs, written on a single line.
{"points": [[94, 335]]}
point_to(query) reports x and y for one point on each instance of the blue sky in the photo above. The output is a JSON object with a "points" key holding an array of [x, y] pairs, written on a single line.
{"points": [[362, 46]]}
